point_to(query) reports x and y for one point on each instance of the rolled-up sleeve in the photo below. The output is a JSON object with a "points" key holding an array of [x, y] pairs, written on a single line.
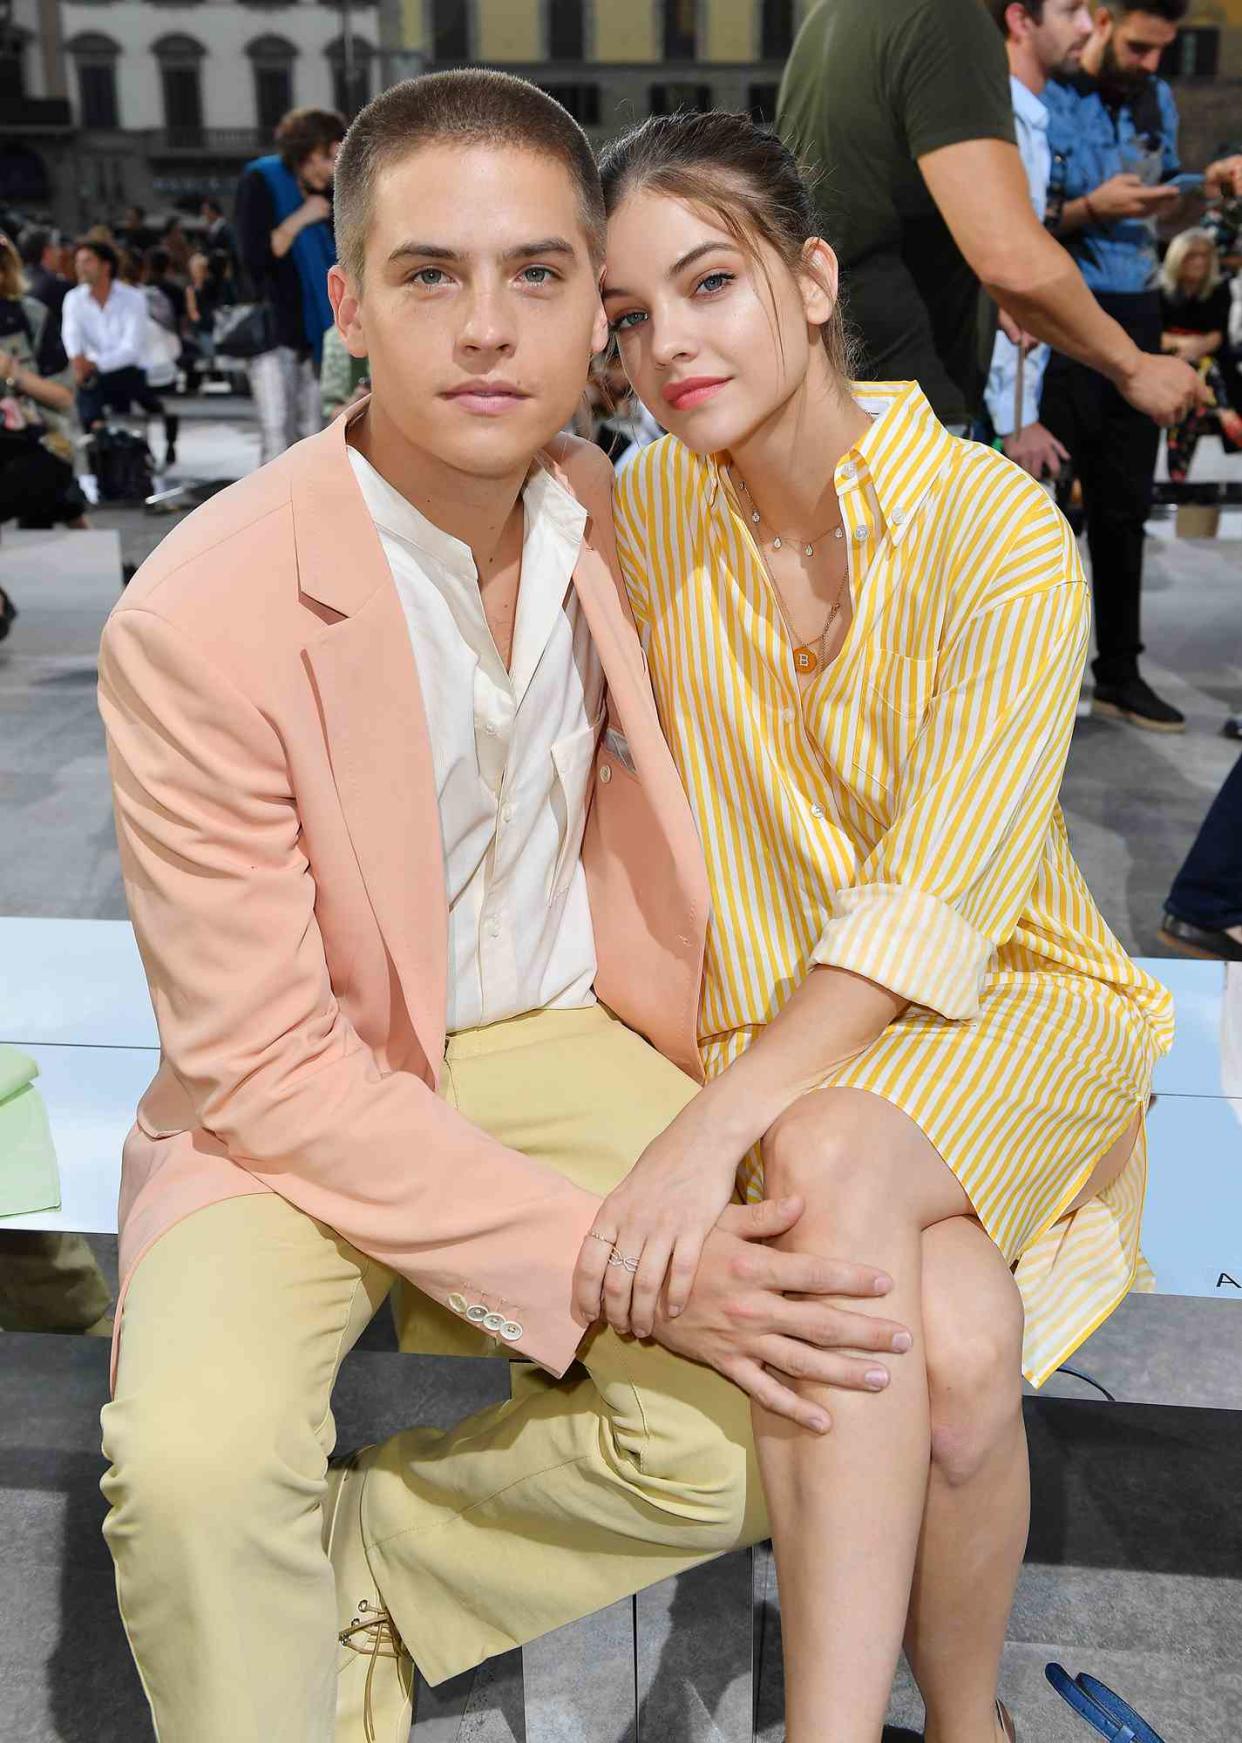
{"points": [[948, 881]]}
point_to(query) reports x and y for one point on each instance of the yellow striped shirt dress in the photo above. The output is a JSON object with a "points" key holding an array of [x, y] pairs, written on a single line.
{"points": [[900, 819]]}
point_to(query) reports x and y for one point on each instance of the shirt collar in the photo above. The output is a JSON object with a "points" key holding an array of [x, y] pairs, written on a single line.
{"points": [[1028, 105], [903, 454], [550, 509]]}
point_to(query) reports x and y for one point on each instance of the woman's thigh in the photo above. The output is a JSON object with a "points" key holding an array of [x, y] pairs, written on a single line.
{"points": [[234, 1326], [1109, 1167]]}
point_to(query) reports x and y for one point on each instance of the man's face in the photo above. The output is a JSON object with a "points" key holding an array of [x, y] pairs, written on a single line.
{"points": [[1061, 35], [88, 267], [1133, 45], [133, 218], [315, 172], [481, 307]]}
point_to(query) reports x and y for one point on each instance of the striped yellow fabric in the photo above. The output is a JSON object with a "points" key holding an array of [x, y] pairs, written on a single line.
{"points": [[900, 819]]}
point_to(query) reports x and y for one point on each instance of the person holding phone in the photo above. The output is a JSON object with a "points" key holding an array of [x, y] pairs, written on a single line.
{"points": [[1113, 128]]}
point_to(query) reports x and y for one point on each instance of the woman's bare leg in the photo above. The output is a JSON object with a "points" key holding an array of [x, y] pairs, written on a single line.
{"points": [[846, 1508], [977, 1512]]}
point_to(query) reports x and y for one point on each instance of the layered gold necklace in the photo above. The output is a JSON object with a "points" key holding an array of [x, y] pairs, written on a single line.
{"points": [[807, 656]]}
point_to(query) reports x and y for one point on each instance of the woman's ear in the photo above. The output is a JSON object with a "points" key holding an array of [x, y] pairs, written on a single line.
{"points": [[818, 279]]}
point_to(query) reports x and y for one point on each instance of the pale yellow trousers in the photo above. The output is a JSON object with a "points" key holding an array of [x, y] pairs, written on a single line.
{"points": [[526, 1516]]}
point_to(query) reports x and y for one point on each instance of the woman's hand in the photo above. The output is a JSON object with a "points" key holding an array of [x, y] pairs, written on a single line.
{"points": [[650, 1230]]}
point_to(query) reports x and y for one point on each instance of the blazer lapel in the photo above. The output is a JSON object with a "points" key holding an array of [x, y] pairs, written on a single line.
{"points": [[375, 726]]}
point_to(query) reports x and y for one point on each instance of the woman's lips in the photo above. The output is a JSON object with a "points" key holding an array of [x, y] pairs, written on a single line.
{"points": [[684, 395]]}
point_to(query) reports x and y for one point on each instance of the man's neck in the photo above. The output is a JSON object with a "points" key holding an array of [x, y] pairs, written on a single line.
{"points": [[100, 292], [1026, 66], [473, 509]]}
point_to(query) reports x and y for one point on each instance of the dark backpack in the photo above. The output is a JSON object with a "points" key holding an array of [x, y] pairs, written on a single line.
{"points": [[123, 466]]}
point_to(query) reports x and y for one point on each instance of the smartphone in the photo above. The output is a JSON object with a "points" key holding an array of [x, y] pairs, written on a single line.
{"points": [[1186, 184]]}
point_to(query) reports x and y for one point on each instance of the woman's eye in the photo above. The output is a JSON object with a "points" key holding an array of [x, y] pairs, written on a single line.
{"points": [[624, 323], [715, 281]]}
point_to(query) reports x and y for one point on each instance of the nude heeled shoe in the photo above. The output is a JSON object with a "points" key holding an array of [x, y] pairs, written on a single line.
{"points": [[1006, 1723]]}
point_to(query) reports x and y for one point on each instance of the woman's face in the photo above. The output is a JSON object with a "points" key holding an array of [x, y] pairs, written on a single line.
{"points": [[1196, 264], [712, 350]]}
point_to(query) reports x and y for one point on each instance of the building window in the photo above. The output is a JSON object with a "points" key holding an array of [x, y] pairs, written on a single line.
{"points": [[1194, 54], [272, 60], [776, 31], [181, 83], [761, 102], [450, 30], [95, 57], [566, 31], [349, 94], [668, 99], [680, 35], [582, 102]]}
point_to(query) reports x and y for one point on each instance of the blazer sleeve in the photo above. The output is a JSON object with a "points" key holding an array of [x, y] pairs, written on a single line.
{"points": [[949, 879], [222, 899]]}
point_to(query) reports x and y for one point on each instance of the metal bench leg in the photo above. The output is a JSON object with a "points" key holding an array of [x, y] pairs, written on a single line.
{"points": [[696, 1654], [579, 1680]]}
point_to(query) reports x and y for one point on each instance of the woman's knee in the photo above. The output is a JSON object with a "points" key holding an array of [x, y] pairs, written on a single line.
{"points": [[973, 1349], [817, 1146]]}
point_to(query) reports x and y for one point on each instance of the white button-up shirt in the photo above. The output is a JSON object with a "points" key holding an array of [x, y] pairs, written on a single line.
{"points": [[512, 751], [112, 334], [1031, 126]]}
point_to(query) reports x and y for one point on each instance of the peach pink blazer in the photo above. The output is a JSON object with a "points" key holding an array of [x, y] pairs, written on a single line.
{"points": [[280, 846]]}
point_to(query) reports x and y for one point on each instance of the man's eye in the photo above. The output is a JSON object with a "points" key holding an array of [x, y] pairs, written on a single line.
{"points": [[545, 274], [428, 275]]}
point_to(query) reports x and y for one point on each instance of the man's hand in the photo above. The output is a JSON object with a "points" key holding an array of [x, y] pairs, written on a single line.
{"points": [[754, 1315], [315, 208], [1125, 196], [1166, 388], [83, 369], [1223, 178], [1015, 334], [1036, 450]]}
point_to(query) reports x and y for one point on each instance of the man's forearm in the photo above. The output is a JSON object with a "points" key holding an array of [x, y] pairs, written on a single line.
{"points": [[1042, 288], [1075, 216]]}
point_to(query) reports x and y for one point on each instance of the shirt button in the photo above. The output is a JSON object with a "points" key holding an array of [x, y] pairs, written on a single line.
{"points": [[605, 775], [510, 1331], [490, 730], [860, 534], [477, 1313], [506, 815], [849, 469], [493, 928], [494, 1322]]}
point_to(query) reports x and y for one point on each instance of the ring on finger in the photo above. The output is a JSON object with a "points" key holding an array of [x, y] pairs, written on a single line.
{"points": [[619, 1259]]}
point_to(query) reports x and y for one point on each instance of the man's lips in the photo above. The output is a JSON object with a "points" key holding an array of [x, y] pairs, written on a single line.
{"points": [[486, 396], [682, 395]]}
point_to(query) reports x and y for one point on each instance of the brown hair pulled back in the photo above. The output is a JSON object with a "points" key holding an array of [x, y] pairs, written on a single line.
{"points": [[741, 172]]}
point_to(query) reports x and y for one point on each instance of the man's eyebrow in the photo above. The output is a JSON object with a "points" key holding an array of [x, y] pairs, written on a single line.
{"points": [[523, 250], [686, 260]]}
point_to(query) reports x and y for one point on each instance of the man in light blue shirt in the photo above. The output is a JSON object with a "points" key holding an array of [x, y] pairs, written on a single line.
{"points": [[1043, 39]]}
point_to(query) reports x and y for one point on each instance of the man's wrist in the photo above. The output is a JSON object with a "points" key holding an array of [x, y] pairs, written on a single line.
{"points": [[1130, 361]]}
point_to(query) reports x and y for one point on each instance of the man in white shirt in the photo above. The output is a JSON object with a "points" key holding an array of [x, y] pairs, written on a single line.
{"points": [[104, 333], [1043, 39]]}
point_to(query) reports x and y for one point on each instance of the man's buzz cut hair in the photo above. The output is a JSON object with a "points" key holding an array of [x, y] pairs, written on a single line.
{"points": [[472, 106]]}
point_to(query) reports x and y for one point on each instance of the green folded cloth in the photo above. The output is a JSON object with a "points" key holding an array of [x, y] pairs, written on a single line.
{"points": [[28, 1175]]}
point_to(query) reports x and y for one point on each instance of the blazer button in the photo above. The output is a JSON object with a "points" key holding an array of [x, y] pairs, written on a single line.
{"points": [[477, 1313], [458, 1303], [605, 774], [493, 1322], [511, 1331]]}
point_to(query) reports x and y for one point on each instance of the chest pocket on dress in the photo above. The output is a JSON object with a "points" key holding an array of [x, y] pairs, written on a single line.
{"points": [[891, 703]]}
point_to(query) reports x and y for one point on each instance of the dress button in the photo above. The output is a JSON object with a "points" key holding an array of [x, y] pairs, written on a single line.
{"points": [[899, 515], [817, 810], [494, 1322], [511, 1331], [458, 1303], [605, 775], [860, 534], [476, 1313]]}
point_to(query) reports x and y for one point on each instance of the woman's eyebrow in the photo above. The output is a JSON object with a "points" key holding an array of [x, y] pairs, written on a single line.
{"points": [[677, 266]]}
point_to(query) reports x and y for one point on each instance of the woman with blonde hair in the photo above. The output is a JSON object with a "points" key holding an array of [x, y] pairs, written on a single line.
{"points": [[866, 638], [1194, 305]]}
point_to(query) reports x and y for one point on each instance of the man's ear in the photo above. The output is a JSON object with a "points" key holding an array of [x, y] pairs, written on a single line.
{"points": [[818, 281], [347, 310]]}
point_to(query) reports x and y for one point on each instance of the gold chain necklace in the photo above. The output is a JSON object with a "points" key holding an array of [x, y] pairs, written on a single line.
{"points": [[806, 659], [778, 539]]}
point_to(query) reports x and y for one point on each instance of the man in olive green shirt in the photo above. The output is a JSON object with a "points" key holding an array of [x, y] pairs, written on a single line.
{"points": [[902, 112]]}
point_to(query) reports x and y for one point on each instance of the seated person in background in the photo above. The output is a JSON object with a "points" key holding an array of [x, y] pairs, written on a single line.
{"points": [[1194, 318], [104, 332], [37, 486]]}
